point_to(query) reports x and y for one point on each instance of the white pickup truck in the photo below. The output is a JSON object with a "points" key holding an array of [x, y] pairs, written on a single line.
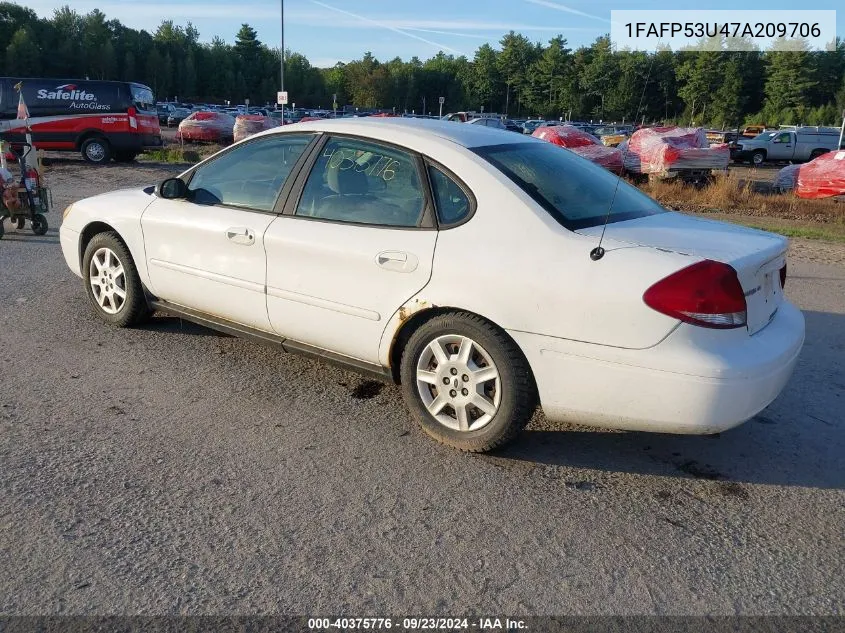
{"points": [[796, 145]]}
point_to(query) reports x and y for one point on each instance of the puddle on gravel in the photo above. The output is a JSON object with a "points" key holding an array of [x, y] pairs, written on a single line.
{"points": [[367, 389]]}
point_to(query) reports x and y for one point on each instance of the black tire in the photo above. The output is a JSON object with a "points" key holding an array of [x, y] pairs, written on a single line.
{"points": [[2, 228], [518, 391], [758, 158], [39, 224], [134, 309], [96, 150], [125, 157], [816, 153], [19, 223]]}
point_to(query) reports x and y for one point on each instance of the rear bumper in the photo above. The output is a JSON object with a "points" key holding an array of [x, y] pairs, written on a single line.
{"points": [[134, 142], [696, 381]]}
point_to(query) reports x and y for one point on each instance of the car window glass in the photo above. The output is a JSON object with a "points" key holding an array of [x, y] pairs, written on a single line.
{"points": [[451, 201], [251, 175], [362, 182], [575, 191]]}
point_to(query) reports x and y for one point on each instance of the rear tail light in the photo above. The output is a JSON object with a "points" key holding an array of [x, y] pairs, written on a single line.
{"points": [[133, 122], [707, 294], [783, 277]]}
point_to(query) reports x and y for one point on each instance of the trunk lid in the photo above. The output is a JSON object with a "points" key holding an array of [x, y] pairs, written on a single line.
{"points": [[757, 256]]}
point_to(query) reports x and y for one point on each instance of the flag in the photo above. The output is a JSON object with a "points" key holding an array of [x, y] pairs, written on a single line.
{"points": [[23, 112]]}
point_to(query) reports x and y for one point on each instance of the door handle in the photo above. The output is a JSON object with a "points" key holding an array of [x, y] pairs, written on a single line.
{"points": [[241, 235], [391, 256], [397, 261]]}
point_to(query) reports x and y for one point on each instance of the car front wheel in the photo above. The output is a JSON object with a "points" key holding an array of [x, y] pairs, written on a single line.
{"points": [[467, 383], [112, 282]]}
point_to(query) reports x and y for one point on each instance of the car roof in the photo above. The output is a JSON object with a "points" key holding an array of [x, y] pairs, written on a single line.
{"points": [[458, 133]]}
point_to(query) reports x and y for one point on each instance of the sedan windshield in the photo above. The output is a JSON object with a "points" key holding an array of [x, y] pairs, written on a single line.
{"points": [[577, 193]]}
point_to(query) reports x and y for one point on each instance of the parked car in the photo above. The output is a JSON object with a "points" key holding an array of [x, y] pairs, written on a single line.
{"points": [[347, 240], [176, 116], [207, 127], [799, 145], [163, 110], [750, 131], [531, 125], [512, 126], [489, 122]]}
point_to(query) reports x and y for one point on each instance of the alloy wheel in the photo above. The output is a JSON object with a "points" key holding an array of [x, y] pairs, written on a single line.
{"points": [[458, 383], [108, 280]]}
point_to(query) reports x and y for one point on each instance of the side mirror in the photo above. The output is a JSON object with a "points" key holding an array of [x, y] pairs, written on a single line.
{"points": [[172, 189]]}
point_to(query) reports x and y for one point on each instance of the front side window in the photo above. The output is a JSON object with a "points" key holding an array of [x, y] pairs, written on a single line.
{"points": [[362, 182], [576, 192], [452, 203], [782, 138], [249, 176]]}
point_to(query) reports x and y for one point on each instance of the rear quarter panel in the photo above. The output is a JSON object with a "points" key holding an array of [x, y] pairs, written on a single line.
{"points": [[513, 264]]}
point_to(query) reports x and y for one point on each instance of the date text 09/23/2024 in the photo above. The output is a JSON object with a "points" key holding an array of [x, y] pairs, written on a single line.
{"points": [[418, 624]]}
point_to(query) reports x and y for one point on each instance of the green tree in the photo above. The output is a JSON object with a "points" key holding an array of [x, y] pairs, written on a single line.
{"points": [[790, 77], [22, 54]]}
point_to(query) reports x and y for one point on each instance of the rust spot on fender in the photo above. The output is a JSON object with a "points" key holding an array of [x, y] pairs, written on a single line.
{"points": [[410, 309]]}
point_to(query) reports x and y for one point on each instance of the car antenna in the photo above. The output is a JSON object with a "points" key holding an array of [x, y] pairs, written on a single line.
{"points": [[598, 252]]}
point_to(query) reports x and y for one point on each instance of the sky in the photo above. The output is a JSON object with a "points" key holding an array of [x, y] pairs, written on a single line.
{"points": [[328, 31]]}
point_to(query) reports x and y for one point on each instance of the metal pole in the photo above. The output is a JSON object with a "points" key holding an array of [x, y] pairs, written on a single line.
{"points": [[282, 57], [842, 130]]}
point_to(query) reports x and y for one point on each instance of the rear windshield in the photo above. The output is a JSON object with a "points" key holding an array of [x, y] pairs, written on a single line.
{"points": [[142, 98], [576, 192]]}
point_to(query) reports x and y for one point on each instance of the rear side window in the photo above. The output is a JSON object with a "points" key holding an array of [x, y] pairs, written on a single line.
{"points": [[576, 192], [364, 183], [453, 205], [251, 175]]}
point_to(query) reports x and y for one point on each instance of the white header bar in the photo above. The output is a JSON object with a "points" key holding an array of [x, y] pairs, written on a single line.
{"points": [[722, 30]]}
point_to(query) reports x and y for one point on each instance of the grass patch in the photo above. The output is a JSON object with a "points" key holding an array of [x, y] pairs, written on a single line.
{"points": [[172, 155], [831, 232], [188, 154], [729, 194]]}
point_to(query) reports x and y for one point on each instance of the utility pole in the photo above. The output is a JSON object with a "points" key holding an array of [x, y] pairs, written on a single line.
{"points": [[282, 56]]}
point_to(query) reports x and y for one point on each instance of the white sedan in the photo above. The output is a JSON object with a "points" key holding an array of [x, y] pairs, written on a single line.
{"points": [[461, 262]]}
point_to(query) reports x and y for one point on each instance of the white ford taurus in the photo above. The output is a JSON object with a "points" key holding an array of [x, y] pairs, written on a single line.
{"points": [[461, 262]]}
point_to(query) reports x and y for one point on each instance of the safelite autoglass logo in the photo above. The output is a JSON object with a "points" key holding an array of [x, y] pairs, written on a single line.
{"points": [[80, 99]]}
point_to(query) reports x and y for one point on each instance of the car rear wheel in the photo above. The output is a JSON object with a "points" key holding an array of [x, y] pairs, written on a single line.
{"points": [[96, 150], [112, 282], [816, 153], [467, 383]]}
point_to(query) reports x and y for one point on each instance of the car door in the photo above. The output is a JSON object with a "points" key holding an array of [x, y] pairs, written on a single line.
{"points": [[354, 244], [781, 147], [206, 251]]}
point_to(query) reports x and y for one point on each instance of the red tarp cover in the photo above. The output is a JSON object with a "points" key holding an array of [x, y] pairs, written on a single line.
{"points": [[660, 149], [249, 124], [583, 144], [206, 126], [823, 177]]}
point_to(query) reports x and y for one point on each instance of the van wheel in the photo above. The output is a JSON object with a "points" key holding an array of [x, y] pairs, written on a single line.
{"points": [[758, 158], [96, 150]]}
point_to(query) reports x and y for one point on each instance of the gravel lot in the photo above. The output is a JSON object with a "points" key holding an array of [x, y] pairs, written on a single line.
{"points": [[170, 470]]}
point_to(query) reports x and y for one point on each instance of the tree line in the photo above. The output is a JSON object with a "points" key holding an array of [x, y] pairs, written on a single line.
{"points": [[519, 77]]}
